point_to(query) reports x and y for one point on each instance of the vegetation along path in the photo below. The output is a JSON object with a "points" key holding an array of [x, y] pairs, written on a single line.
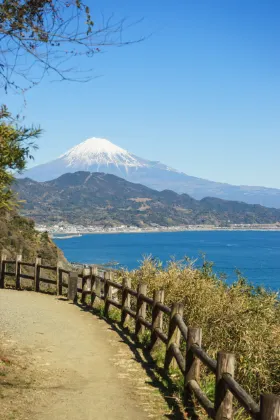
{"points": [[61, 362]]}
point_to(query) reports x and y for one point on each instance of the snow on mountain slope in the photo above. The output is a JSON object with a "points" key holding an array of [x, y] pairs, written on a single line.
{"points": [[97, 151], [100, 155]]}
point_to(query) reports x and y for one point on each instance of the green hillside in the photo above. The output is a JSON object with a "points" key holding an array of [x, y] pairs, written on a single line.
{"points": [[106, 200]]}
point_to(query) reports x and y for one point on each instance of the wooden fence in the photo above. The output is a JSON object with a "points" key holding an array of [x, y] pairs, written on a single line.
{"points": [[101, 285]]}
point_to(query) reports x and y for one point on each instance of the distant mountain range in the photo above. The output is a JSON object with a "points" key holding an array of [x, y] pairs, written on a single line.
{"points": [[100, 155], [106, 200]]}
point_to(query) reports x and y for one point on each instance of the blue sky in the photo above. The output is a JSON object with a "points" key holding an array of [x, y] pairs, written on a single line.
{"points": [[201, 94]]}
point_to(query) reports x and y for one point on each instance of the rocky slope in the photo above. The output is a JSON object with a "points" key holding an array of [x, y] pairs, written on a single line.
{"points": [[18, 235]]}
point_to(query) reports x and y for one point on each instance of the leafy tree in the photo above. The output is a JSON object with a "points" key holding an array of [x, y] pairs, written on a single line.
{"points": [[16, 143]]}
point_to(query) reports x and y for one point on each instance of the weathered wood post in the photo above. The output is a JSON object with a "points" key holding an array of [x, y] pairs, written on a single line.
{"points": [[192, 371], [174, 335], [38, 263], [223, 397], [157, 317], [58, 279], [3, 267], [72, 287], [140, 309], [270, 407], [125, 300], [18, 270], [85, 281], [98, 289], [93, 285], [107, 292]]}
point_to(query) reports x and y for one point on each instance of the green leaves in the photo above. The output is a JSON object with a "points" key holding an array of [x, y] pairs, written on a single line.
{"points": [[16, 143]]}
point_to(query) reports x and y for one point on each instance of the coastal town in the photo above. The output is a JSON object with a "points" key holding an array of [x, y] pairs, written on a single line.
{"points": [[64, 228]]}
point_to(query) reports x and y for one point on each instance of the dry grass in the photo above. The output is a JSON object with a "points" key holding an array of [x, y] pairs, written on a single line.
{"points": [[239, 318]]}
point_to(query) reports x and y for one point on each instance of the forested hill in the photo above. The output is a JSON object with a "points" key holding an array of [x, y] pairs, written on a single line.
{"points": [[101, 199]]}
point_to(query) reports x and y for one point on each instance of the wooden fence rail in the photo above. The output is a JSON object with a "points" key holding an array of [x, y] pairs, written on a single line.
{"points": [[104, 287]]}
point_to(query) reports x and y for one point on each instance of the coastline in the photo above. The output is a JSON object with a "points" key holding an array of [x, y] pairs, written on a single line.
{"points": [[80, 231]]}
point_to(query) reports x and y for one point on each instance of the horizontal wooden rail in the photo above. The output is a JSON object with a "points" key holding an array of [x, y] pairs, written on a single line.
{"points": [[64, 271], [95, 280], [114, 284], [24, 264], [47, 267], [144, 322], [114, 303], [146, 299], [9, 273], [202, 398], [163, 308], [26, 276], [130, 312], [161, 335], [45, 280], [241, 395], [203, 356], [87, 277], [131, 291]]}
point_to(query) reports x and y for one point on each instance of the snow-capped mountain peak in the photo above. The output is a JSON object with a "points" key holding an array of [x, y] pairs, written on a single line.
{"points": [[100, 155], [99, 151]]}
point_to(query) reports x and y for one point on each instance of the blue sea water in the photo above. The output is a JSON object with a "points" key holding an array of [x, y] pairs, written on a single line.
{"points": [[255, 253]]}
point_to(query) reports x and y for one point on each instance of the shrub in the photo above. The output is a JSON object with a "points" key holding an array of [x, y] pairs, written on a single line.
{"points": [[237, 318]]}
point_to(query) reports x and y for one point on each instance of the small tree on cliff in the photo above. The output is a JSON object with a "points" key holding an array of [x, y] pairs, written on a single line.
{"points": [[16, 143]]}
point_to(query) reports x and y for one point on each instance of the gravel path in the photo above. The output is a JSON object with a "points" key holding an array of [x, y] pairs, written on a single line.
{"points": [[64, 363]]}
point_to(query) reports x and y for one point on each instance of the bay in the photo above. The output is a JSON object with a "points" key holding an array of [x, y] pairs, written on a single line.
{"points": [[256, 254]]}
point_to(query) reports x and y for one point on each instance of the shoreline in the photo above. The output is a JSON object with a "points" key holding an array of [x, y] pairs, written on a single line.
{"points": [[74, 234]]}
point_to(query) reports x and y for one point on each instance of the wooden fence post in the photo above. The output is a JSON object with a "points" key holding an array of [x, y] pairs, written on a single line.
{"points": [[270, 407], [223, 397], [98, 289], [125, 300], [3, 266], [72, 287], [93, 285], [141, 309], [192, 371], [107, 292], [18, 270], [38, 262], [157, 317], [85, 282], [174, 335], [58, 279]]}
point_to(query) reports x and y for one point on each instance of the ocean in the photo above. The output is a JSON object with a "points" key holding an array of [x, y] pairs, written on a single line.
{"points": [[256, 254]]}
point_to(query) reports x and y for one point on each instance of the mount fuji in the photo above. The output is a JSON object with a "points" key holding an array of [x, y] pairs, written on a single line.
{"points": [[100, 155]]}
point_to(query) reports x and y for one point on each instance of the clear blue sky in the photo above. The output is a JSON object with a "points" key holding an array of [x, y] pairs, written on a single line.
{"points": [[201, 94]]}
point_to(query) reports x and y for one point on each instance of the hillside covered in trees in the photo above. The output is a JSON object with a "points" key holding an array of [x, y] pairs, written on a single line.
{"points": [[101, 199]]}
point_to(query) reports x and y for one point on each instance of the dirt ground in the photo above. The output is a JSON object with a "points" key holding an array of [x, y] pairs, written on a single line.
{"points": [[58, 361]]}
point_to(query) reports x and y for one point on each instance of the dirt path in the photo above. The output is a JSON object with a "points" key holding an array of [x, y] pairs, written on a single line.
{"points": [[64, 363]]}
